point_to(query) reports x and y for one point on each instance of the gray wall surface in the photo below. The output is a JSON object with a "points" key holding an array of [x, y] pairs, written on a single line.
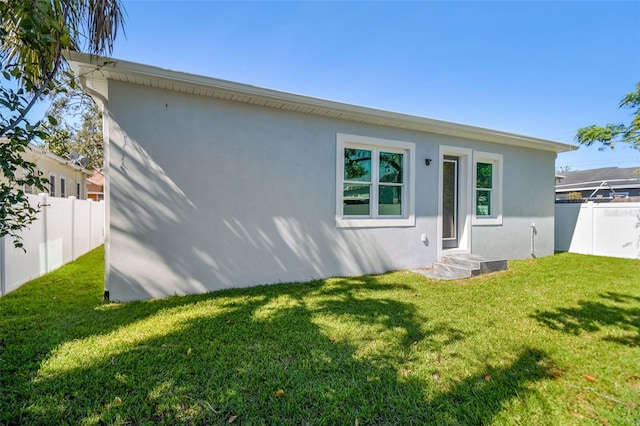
{"points": [[206, 194]]}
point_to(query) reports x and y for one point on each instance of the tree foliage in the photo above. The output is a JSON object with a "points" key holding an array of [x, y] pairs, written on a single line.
{"points": [[77, 128], [564, 169], [614, 133], [33, 36]]}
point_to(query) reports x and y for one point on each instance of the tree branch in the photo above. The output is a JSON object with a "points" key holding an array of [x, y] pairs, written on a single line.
{"points": [[49, 78]]}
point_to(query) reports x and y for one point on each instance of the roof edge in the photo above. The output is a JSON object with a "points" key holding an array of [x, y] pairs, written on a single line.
{"points": [[101, 69], [59, 159]]}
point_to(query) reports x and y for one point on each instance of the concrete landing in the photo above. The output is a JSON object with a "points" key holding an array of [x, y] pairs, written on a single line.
{"points": [[459, 266]]}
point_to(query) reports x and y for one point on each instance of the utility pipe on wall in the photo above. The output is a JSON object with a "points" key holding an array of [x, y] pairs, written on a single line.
{"points": [[533, 234]]}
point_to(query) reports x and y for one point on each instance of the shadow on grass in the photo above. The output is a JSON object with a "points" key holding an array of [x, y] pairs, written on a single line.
{"points": [[613, 310], [284, 354], [477, 399]]}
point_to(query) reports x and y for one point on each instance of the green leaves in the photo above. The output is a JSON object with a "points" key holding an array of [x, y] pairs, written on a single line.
{"points": [[614, 133], [16, 173], [74, 124], [33, 36]]}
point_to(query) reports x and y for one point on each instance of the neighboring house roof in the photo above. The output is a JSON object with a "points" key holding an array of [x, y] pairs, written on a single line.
{"points": [[606, 177], [96, 179], [59, 159], [96, 71], [43, 152]]}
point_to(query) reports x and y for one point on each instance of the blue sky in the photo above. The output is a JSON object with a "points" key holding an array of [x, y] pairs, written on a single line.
{"points": [[536, 68]]}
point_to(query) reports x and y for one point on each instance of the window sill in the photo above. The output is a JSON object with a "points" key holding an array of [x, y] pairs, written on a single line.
{"points": [[376, 223], [486, 221]]}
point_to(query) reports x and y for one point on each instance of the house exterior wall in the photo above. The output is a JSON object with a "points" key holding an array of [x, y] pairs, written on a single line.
{"points": [[51, 167], [205, 194], [528, 227], [528, 200]]}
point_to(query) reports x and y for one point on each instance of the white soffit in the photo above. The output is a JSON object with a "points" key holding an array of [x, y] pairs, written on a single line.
{"points": [[96, 71]]}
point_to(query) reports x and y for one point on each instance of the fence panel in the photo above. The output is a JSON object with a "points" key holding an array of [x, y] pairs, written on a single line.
{"points": [[19, 266], [58, 214], [65, 228], [611, 229], [97, 225], [82, 222]]}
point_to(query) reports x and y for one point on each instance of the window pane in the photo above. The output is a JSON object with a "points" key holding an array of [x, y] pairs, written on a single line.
{"points": [[483, 203], [484, 173], [390, 200], [449, 196], [390, 167], [355, 200], [357, 164]]}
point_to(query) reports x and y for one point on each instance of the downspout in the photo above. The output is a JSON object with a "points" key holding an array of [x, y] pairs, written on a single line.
{"points": [[533, 235]]}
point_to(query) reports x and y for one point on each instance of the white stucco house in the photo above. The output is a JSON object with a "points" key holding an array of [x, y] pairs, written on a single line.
{"points": [[212, 184]]}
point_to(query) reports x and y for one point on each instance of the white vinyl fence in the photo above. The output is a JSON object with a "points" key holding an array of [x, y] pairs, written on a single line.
{"points": [[603, 229], [66, 228]]}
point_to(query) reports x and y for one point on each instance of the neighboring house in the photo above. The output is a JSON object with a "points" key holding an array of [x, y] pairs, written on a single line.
{"points": [[212, 184], [65, 178], [95, 186], [606, 182]]}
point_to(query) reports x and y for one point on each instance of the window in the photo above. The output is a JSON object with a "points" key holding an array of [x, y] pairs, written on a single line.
{"points": [[487, 178], [359, 182], [374, 182], [484, 189], [52, 185], [78, 190], [63, 187]]}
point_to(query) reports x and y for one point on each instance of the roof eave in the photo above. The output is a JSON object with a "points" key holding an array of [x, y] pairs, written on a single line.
{"points": [[59, 159], [96, 71]]}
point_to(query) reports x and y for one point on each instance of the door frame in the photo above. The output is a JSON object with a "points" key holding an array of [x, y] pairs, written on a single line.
{"points": [[465, 175]]}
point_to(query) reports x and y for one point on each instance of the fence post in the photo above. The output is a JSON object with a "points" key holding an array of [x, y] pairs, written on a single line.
{"points": [[45, 234]]}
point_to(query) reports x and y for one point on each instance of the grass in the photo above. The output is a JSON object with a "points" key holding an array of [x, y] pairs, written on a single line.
{"points": [[550, 341]]}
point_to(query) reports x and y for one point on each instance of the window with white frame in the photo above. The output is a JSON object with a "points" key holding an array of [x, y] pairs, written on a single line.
{"points": [[487, 197], [52, 185], [63, 187], [374, 182]]}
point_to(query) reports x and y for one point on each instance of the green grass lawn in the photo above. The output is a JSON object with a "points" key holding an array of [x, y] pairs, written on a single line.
{"points": [[550, 341]]}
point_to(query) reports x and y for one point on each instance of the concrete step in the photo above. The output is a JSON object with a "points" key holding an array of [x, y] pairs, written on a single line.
{"points": [[462, 259], [463, 271], [476, 262], [438, 274], [460, 266]]}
